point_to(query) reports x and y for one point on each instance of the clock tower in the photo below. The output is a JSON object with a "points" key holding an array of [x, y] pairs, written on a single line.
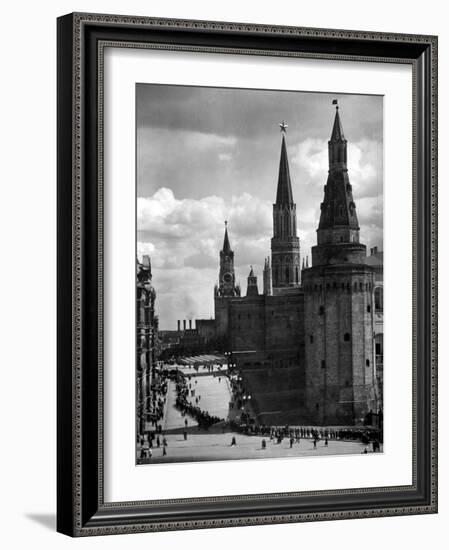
{"points": [[226, 288], [226, 279]]}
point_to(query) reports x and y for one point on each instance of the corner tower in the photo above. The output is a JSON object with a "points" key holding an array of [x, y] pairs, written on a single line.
{"points": [[341, 383], [285, 252]]}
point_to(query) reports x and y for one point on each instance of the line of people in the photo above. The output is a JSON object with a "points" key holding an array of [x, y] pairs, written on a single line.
{"points": [[203, 418], [280, 432]]}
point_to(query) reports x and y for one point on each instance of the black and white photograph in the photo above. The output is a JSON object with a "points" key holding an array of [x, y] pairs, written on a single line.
{"points": [[259, 302]]}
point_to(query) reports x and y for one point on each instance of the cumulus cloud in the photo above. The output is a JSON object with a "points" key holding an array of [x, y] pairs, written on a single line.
{"points": [[311, 157], [184, 237], [206, 155], [224, 157]]}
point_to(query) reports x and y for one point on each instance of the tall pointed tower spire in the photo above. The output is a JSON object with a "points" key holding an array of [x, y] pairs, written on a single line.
{"points": [[285, 242], [284, 193], [226, 244], [337, 130], [338, 220]]}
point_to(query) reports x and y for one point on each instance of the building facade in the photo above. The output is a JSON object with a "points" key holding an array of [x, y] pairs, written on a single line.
{"points": [[146, 347]]}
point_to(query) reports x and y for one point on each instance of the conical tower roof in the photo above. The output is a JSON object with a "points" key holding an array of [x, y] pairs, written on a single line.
{"points": [[338, 207], [337, 130], [226, 244], [284, 193]]}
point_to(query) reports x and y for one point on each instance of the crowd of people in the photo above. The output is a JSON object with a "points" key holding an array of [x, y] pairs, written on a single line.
{"points": [[158, 398], [187, 401], [278, 433], [203, 418]]}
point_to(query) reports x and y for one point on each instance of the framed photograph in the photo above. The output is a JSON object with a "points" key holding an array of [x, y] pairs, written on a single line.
{"points": [[247, 278]]}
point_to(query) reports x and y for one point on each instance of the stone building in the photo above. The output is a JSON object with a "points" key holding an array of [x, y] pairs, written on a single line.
{"points": [[146, 345], [307, 344]]}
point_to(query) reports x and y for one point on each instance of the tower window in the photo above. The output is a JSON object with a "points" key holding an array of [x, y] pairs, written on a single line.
{"points": [[379, 299], [321, 310], [311, 338], [323, 364], [368, 308], [347, 337], [367, 362]]}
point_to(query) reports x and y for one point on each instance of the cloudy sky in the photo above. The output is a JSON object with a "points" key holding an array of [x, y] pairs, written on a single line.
{"points": [[205, 155]]}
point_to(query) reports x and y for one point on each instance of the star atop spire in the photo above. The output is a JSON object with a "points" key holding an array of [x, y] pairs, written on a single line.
{"points": [[283, 125]]}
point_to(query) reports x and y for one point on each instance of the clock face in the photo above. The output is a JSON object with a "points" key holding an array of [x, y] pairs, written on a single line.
{"points": [[227, 278]]}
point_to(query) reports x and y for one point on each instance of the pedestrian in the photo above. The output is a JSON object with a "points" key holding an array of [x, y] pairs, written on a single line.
{"points": [[185, 434], [150, 453], [326, 442], [164, 451], [186, 422], [233, 442], [164, 442], [264, 444], [314, 442], [158, 441], [291, 442]]}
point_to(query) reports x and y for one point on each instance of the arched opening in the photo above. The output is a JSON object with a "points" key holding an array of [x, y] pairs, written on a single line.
{"points": [[379, 298]]}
